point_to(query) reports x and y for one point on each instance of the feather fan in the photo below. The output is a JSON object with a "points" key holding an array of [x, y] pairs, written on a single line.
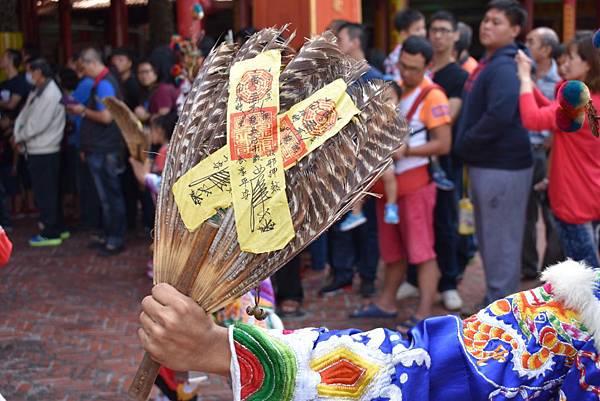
{"points": [[130, 126], [207, 264]]}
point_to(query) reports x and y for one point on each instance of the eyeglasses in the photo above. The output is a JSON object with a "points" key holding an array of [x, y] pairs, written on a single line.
{"points": [[443, 31]]}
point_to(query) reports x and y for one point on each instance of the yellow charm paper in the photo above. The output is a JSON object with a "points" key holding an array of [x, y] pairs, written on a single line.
{"points": [[311, 122], [204, 189], [308, 124], [262, 215]]}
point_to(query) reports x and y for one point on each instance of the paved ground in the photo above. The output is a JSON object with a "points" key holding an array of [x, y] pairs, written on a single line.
{"points": [[68, 320]]}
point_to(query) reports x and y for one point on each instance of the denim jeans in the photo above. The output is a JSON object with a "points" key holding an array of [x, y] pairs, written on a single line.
{"points": [[319, 252], [358, 247], [579, 242], [106, 169]]}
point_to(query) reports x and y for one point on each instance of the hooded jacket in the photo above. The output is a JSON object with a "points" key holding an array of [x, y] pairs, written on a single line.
{"points": [[41, 123], [490, 133]]}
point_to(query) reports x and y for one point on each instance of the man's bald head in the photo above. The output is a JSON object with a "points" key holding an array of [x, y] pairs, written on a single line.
{"points": [[543, 43], [91, 61]]}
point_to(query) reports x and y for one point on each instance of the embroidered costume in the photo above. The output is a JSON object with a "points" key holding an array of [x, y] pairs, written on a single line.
{"points": [[533, 345]]}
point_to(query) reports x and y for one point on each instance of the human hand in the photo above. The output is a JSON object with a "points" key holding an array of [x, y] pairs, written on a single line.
{"points": [[75, 108], [178, 334], [401, 152], [524, 66], [141, 113], [140, 169]]}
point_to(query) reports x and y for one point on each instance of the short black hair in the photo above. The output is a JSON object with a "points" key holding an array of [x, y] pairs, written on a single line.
{"points": [[516, 14], [243, 34], [465, 37], [418, 45], [43, 66], [444, 15], [405, 18], [167, 122], [396, 88], [205, 45], [15, 57], [123, 51], [356, 30]]}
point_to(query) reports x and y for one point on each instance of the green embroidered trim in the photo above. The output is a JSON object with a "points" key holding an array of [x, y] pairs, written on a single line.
{"points": [[278, 361]]}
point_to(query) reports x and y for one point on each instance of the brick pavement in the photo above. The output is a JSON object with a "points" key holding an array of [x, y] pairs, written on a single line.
{"points": [[68, 320]]}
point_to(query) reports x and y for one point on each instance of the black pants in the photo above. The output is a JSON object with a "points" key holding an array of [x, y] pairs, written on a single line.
{"points": [[288, 284], [89, 203], [45, 178], [358, 247], [5, 220]]}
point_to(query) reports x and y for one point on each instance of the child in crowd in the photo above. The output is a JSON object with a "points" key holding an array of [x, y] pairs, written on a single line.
{"points": [[356, 217]]}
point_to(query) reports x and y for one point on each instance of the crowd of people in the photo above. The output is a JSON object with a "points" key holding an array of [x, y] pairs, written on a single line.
{"points": [[481, 132]]}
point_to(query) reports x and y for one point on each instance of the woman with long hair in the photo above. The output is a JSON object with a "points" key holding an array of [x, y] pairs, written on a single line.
{"points": [[574, 169]]}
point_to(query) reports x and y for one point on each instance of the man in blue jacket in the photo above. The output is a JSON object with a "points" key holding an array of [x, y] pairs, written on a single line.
{"points": [[494, 145]]}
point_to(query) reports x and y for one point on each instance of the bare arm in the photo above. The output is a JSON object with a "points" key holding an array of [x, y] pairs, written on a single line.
{"points": [[439, 144], [180, 335], [455, 103], [12, 103]]}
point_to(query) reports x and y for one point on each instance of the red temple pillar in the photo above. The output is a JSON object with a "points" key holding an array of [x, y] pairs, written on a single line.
{"points": [[119, 26], [569, 19], [64, 10], [187, 25], [528, 4], [30, 21]]}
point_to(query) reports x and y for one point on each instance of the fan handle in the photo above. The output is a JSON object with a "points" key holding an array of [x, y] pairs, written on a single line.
{"points": [[144, 379]]}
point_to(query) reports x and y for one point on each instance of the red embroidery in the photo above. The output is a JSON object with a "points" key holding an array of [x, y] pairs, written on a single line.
{"points": [[292, 145], [341, 373], [319, 117], [582, 371], [252, 373], [253, 133]]}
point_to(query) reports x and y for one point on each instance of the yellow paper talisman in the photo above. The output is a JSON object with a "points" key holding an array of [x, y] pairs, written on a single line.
{"points": [[262, 215], [204, 189], [311, 122]]}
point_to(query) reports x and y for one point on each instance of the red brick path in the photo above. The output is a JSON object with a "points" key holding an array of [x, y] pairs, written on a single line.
{"points": [[68, 320]]}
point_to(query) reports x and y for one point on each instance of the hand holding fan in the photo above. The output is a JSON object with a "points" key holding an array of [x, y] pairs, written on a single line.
{"points": [[243, 121]]}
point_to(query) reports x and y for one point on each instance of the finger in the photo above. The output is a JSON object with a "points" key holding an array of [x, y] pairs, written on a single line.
{"points": [[148, 345], [167, 294], [148, 324], [153, 308]]}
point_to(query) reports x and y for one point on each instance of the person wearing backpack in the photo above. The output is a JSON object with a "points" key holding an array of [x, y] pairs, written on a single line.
{"points": [[425, 107], [103, 148]]}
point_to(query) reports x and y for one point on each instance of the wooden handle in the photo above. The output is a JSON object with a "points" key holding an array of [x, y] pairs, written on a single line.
{"points": [[144, 379]]}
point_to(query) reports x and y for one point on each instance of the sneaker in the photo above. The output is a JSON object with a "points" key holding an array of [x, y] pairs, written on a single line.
{"points": [[65, 235], [441, 181], [38, 240], [390, 214], [452, 300], [367, 288], [335, 286], [407, 290], [352, 221]]}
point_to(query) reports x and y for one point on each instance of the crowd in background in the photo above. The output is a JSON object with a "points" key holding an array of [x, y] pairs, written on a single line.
{"points": [[482, 133]]}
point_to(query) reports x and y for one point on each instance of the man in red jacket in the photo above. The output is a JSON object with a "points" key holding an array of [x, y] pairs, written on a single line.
{"points": [[5, 247]]}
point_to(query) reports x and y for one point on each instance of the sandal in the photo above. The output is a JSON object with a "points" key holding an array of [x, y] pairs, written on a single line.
{"points": [[405, 326], [372, 311]]}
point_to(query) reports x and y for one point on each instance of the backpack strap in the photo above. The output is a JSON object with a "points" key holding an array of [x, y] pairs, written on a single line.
{"points": [[424, 92]]}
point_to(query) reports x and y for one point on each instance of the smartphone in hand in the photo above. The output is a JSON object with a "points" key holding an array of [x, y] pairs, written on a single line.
{"points": [[68, 100]]}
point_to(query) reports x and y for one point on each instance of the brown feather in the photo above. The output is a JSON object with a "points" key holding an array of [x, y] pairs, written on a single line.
{"points": [[131, 128]]}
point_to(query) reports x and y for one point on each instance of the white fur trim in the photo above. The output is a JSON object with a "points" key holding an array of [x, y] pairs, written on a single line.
{"points": [[574, 283], [236, 384]]}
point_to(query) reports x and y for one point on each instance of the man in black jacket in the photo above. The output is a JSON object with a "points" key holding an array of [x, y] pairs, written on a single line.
{"points": [[494, 145]]}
